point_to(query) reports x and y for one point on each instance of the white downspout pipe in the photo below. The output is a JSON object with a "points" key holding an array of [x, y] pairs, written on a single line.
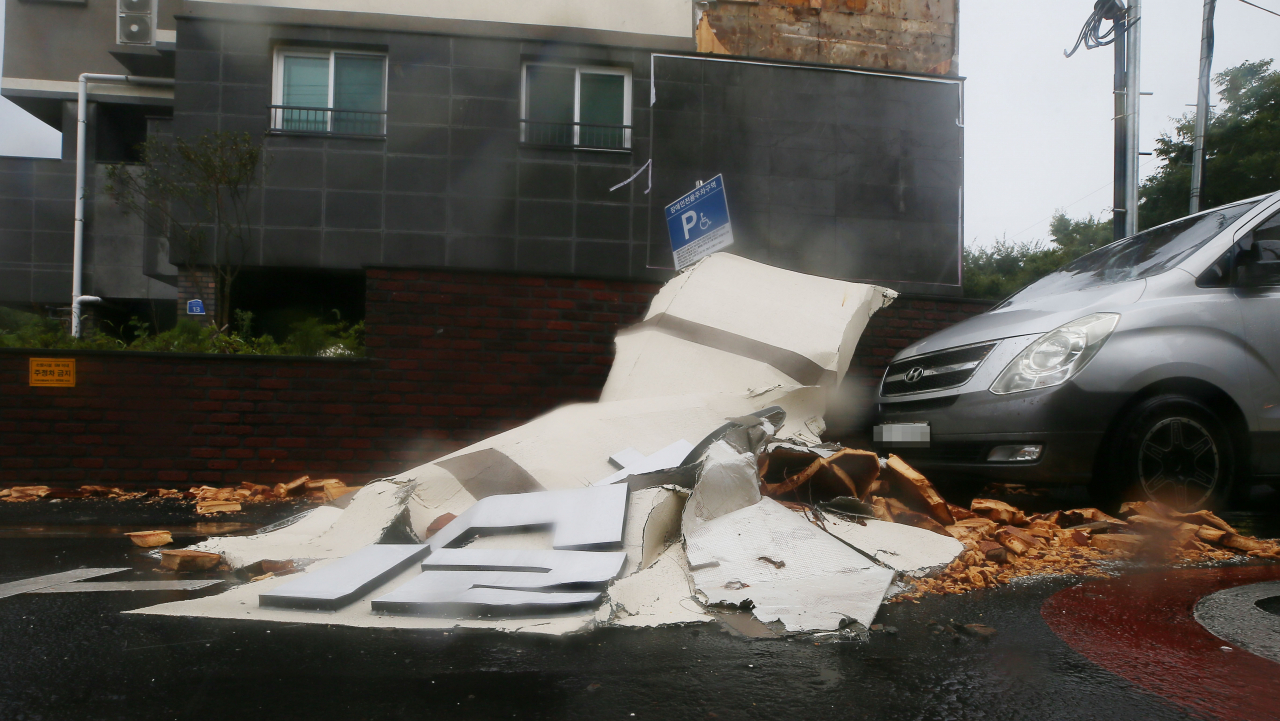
{"points": [[82, 114]]}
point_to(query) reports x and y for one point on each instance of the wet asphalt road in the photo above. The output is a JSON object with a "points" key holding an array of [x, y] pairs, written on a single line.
{"points": [[74, 656]]}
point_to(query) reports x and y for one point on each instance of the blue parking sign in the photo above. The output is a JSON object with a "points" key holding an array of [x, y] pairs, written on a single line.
{"points": [[699, 223]]}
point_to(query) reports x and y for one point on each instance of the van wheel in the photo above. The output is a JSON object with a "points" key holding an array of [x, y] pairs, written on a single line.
{"points": [[1172, 449]]}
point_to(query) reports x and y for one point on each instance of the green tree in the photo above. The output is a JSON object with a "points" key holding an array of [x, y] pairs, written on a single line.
{"points": [[1000, 270], [1242, 148], [199, 194]]}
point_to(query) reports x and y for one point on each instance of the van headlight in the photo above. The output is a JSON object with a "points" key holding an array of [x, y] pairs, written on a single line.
{"points": [[1057, 355]]}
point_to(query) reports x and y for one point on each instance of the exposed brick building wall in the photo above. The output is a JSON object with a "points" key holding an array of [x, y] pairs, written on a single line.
{"points": [[452, 357], [912, 35]]}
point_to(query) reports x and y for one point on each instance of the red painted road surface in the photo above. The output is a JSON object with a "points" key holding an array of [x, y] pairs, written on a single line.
{"points": [[1140, 627]]}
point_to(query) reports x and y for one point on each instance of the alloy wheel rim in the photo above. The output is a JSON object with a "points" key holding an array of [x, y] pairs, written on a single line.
{"points": [[1179, 464]]}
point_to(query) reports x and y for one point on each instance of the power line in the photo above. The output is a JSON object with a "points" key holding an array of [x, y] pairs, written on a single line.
{"points": [[1265, 10], [1074, 202]]}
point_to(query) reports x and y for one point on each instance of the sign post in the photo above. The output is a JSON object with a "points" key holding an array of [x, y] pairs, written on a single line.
{"points": [[699, 223]]}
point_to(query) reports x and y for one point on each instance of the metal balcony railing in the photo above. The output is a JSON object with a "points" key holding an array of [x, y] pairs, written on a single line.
{"points": [[575, 135], [327, 121]]}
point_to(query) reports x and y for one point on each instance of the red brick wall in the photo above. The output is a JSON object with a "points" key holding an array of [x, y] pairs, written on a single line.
{"points": [[452, 357]]}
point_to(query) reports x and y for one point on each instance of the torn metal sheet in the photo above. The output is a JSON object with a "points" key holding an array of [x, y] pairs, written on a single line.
{"points": [[788, 568], [905, 549], [728, 482], [581, 518], [671, 456], [27, 585], [468, 582], [104, 586], [341, 582]]}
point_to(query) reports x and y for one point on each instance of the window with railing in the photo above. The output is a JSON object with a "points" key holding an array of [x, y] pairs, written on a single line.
{"points": [[332, 92], [576, 106]]}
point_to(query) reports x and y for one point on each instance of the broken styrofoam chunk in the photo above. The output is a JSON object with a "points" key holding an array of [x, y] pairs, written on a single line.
{"points": [[905, 549], [669, 457], [657, 595], [726, 483], [580, 518], [788, 568], [653, 523], [462, 581]]}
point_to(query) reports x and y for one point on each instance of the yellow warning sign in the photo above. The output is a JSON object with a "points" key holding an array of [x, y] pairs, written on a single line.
{"points": [[53, 372]]}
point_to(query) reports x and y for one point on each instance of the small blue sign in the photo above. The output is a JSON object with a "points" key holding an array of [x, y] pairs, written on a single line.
{"points": [[195, 307], [699, 223]]}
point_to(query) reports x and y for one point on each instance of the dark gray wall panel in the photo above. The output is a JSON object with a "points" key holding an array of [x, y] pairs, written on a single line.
{"points": [[843, 174]]}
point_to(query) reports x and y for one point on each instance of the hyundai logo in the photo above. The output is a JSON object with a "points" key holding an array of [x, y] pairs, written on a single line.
{"points": [[914, 375]]}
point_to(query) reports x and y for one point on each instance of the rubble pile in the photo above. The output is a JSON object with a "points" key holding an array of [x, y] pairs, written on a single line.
{"points": [[697, 488], [1001, 542], [208, 500]]}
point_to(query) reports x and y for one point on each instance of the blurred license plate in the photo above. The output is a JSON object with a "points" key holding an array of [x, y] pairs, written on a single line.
{"points": [[909, 435]]}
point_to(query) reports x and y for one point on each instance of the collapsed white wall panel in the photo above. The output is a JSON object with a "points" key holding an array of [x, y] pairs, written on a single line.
{"points": [[905, 549], [580, 517], [344, 580], [729, 325], [724, 339], [791, 570], [458, 581]]}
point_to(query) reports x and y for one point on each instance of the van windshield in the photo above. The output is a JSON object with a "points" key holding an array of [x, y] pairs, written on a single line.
{"points": [[1146, 254]]}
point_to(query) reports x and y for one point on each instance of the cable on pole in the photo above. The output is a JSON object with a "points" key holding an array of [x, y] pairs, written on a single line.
{"points": [[1092, 35]]}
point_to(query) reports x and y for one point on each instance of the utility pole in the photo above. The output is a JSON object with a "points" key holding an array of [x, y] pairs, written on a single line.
{"points": [[1133, 93], [1120, 156], [1202, 103], [1125, 90]]}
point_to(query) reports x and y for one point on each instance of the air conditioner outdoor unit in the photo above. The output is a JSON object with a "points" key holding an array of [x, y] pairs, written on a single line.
{"points": [[136, 22]]}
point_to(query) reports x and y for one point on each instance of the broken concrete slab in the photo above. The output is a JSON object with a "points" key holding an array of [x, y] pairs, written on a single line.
{"points": [[906, 549], [788, 568]]}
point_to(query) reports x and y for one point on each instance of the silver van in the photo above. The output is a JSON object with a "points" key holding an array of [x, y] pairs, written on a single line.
{"points": [[1147, 368]]}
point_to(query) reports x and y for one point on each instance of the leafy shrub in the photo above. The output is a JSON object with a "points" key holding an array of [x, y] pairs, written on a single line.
{"points": [[309, 337]]}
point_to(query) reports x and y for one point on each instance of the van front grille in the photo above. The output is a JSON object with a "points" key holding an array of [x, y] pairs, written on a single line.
{"points": [[935, 371]]}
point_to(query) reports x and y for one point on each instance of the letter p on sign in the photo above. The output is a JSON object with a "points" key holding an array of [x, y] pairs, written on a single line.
{"points": [[688, 220]]}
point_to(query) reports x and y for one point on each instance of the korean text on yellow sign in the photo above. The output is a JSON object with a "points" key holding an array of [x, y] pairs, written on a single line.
{"points": [[53, 372]]}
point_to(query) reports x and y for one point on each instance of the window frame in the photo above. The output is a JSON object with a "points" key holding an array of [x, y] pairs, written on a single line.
{"points": [[277, 85], [626, 126]]}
